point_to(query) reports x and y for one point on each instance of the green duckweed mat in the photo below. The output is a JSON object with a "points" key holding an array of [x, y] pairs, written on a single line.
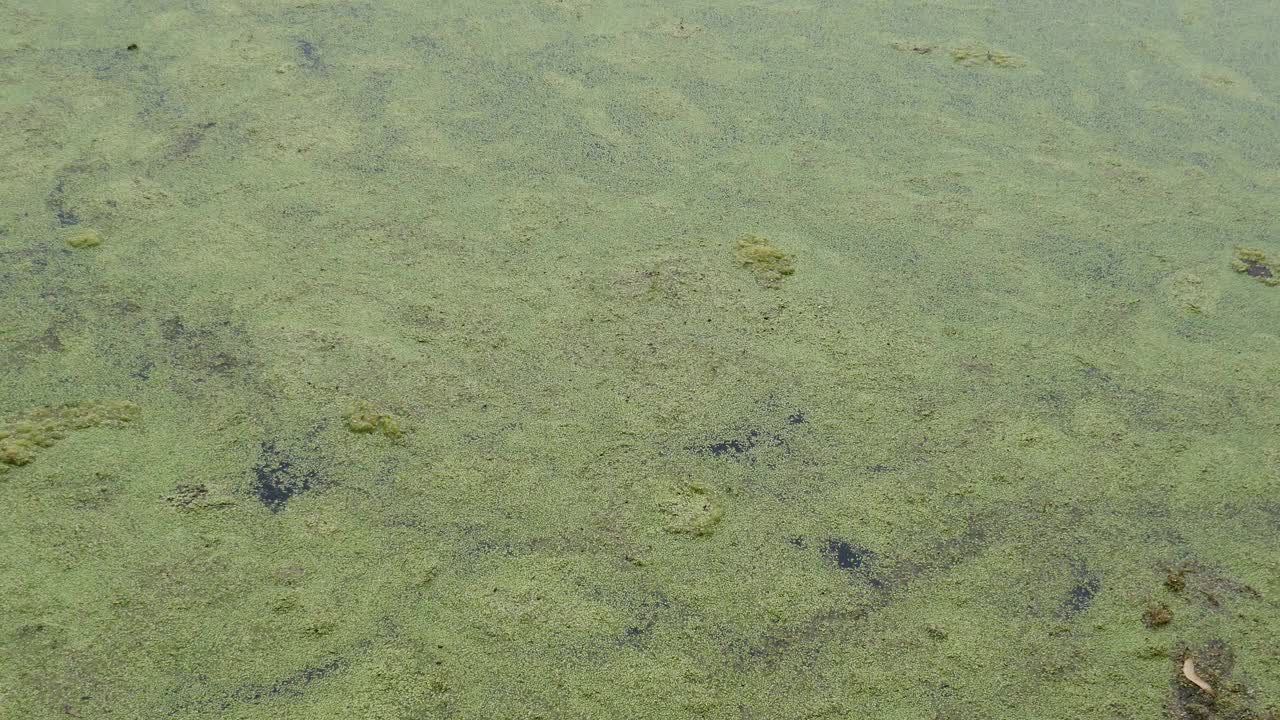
{"points": [[602, 359]]}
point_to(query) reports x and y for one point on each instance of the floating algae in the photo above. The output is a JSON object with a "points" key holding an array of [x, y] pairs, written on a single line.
{"points": [[365, 419], [85, 239], [1255, 264], [22, 437], [768, 262]]}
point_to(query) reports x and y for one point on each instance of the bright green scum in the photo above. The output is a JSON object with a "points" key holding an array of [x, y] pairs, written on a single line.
{"points": [[589, 359]]}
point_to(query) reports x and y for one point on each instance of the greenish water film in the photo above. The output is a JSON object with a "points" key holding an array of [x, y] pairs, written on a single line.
{"points": [[601, 359]]}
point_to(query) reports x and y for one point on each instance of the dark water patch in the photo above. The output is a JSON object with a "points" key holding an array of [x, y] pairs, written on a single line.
{"points": [[311, 59], [1081, 596], [767, 651], [278, 477], [1089, 261], [148, 77], [1196, 329], [56, 202], [38, 637], [1208, 587], [885, 571], [299, 214], [189, 140], [1143, 404], [430, 47], [493, 547], [187, 496], [173, 329], [1230, 694], [143, 373], [50, 341], [199, 695], [1258, 271], [1213, 663], [1271, 511], [205, 352], [19, 265], [848, 557], [886, 576], [744, 444], [289, 687], [734, 446], [1083, 592], [647, 616], [1137, 399], [858, 562]]}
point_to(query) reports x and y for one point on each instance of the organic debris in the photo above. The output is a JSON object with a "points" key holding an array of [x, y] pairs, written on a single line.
{"points": [[1189, 671], [1157, 616]]}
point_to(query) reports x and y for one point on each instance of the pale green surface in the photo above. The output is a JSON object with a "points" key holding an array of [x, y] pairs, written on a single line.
{"points": [[1025, 365]]}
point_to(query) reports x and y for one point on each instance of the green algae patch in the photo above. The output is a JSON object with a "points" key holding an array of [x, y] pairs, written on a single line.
{"points": [[1257, 265], [364, 418], [769, 263], [85, 239], [22, 437]]}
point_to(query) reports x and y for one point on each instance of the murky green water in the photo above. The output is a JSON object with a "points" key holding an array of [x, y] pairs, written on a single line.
{"points": [[575, 359]]}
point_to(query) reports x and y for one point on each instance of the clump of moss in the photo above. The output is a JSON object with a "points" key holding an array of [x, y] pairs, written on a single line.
{"points": [[768, 262], [365, 419], [85, 239], [1255, 264], [23, 436]]}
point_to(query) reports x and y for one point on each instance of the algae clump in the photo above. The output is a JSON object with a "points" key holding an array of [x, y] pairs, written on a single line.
{"points": [[1255, 264], [85, 239], [768, 262], [42, 427], [365, 419]]}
